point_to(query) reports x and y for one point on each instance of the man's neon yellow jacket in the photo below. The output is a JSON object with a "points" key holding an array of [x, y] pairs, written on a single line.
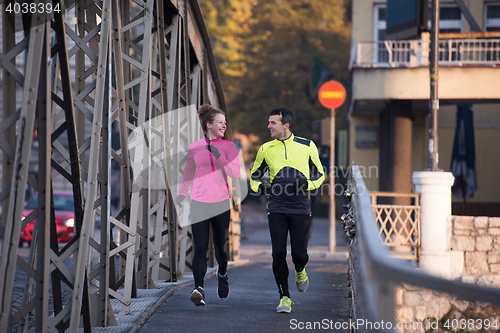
{"points": [[294, 168]]}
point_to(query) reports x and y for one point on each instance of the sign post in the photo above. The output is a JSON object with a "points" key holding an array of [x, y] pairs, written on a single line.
{"points": [[332, 95], [434, 101]]}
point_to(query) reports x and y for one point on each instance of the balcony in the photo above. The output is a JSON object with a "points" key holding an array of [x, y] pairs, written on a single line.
{"points": [[391, 70], [415, 53]]}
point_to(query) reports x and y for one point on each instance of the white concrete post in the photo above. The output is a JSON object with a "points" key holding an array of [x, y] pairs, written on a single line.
{"points": [[435, 207]]}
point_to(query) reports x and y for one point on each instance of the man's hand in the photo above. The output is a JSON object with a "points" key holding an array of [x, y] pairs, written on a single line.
{"points": [[269, 190], [264, 189], [301, 184], [214, 151], [277, 189]]}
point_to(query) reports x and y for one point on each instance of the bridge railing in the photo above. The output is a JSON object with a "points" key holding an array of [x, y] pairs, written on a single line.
{"points": [[373, 273]]}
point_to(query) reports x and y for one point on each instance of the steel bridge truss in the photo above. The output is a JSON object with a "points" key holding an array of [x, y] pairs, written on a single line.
{"points": [[93, 73]]}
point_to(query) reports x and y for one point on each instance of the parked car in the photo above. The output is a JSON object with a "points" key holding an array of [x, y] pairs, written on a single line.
{"points": [[65, 216]]}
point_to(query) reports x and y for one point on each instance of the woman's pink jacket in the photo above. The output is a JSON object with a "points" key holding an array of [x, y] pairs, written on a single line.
{"points": [[207, 174]]}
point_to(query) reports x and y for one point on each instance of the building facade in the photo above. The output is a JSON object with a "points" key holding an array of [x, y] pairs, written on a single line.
{"points": [[389, 108]]}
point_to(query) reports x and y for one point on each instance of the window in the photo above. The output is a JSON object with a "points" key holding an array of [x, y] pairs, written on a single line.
{"points": [[492, 16], [450, 18], [380, 24], [379, 20]]}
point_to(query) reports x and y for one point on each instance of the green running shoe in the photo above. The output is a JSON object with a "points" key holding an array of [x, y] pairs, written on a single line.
{"points": [[301, 280], [285, 305]]}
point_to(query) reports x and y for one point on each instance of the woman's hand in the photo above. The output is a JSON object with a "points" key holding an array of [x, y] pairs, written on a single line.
{"points": [[179, 199], [214, 151]]}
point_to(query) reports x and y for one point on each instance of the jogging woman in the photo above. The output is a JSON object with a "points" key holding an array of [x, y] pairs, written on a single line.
{"points": [[209, 162]]}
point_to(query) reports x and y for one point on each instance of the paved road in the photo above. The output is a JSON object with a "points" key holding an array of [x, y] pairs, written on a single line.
{"points": [[251, 305]]}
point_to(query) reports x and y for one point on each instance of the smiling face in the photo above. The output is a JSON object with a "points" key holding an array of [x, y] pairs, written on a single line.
{"points": [[277, 129], [217, 128]]}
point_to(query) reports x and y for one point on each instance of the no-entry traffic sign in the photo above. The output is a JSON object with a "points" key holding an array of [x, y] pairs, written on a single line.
{"points": [[331, 94]]}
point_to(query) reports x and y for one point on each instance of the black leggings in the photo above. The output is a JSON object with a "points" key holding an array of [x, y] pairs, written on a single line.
{"points": [[220, 230], [279, 226]]}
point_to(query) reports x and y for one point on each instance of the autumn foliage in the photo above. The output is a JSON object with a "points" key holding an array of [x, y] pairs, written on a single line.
{"points": [[265, 51]]}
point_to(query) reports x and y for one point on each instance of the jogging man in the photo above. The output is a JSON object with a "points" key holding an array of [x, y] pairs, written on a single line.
{"points": [[294, 168]]}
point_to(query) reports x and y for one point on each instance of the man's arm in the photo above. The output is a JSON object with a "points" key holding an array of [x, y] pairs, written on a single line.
{"points": [[317, 173], [258, 170]]}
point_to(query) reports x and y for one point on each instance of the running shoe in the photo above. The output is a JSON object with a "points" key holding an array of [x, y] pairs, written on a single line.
{"points": [[198, 296], [285, 305], [301, 280], [223, 289]]}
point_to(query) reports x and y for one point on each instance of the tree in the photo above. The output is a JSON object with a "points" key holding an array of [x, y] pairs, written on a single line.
{"points": [[228, 22], [265, 51]]}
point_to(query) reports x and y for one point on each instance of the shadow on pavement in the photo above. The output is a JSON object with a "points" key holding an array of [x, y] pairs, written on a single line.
{"points": [[251, 305]]}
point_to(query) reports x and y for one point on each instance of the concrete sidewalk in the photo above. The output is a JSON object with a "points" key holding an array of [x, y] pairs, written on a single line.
{"points": [[251, 305]]}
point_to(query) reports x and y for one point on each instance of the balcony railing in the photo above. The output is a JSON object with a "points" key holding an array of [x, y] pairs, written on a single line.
{"points": [[398, 224], [415, 53]]}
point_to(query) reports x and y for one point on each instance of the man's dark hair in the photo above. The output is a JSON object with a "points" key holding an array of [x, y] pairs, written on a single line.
{"points": [[287, 116]]}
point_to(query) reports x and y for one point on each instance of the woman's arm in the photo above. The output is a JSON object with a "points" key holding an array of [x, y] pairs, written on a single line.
{"points": [[188, 174], [230, 163]]}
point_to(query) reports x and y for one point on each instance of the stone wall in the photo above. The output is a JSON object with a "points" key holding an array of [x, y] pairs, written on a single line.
{"points": [[476, 241], [418, 307], [475, 250]]}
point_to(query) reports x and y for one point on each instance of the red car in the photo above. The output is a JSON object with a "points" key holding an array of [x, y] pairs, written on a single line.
{"points": [[65, 216]]}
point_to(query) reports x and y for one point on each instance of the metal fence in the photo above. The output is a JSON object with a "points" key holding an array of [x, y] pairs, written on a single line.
{"points": [[373, 273], [415, 53]]}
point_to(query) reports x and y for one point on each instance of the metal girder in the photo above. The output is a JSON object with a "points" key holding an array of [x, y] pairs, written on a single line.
{"points": [[7, 141], [77, 101], [136, 41], [101, 85], [144, 114], [26, 121], [121, 156], [20, 173], [159, 66], [36, 293], [64, 129], [45, 200]]}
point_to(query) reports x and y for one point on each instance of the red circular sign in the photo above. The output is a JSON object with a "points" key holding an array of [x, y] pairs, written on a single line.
{"points": [[331, 94]]}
